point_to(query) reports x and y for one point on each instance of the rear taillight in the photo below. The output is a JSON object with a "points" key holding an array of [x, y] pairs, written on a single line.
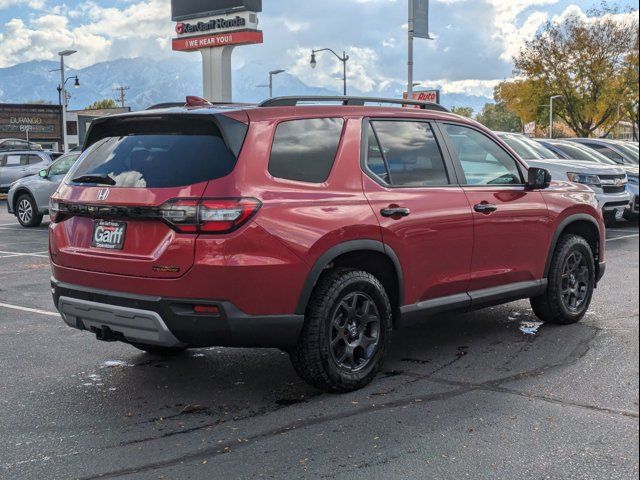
{"points": [[209, 215], [54, 210]]}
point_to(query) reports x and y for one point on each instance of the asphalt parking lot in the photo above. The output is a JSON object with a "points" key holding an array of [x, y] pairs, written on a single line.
{"points": [[490, 394]]}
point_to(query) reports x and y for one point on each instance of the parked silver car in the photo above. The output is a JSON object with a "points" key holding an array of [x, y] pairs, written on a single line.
{"points": [[28, 197], [578, 151], [619, 152], [609, 182], [15, 164]]}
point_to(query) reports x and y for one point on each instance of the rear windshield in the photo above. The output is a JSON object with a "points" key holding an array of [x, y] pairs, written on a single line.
{"points": [[156, 160]]}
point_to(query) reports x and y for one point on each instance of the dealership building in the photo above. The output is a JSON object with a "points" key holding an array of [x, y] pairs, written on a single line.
{"points": [[41, 123]]}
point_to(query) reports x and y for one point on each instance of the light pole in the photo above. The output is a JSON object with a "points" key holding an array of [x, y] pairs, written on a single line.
{"points": [[63, 95], [344, 59], [551, 114], [271, 75]]}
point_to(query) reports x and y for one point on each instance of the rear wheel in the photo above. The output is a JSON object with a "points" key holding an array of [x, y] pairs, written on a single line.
{"points": [[570, 284], [159, 351], [346, 333], [27, 211]]}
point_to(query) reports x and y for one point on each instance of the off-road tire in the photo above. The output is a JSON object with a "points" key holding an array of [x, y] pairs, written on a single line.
{"points": [[29, 216], [550, 307], [313, 359]]}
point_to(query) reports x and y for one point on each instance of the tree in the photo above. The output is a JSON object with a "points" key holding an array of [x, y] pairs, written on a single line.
{"points": [[100, 104], [582, 59], [495, 116], [463, 111]]}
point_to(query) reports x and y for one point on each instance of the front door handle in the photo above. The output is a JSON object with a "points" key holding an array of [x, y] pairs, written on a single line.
{"points": [[485, 208], [393, 211]]}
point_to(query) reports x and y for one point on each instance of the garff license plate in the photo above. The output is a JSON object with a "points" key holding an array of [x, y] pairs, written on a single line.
{"points": [[108, 234]]}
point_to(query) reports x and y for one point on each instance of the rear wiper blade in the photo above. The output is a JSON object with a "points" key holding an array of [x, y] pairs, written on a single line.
{"points": [[101, 179]]}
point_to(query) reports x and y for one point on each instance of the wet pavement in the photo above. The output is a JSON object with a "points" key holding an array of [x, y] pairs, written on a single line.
{"points": [[489, 394]]}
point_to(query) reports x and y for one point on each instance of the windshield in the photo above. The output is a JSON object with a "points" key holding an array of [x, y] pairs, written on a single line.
{"points": [[526, 148], [575, 151]]}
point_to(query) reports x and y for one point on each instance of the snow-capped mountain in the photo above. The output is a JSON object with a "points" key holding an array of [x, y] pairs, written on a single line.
{"points": [[168, 80]]}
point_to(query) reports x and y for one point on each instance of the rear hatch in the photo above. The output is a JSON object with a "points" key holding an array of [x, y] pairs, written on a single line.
{"points": [[128, 204]]}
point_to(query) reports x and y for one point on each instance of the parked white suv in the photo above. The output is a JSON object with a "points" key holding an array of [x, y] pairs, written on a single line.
{"points": [[608, 181]]}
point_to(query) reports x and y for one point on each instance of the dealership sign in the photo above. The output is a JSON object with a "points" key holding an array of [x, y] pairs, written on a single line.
{"points": [[219, 40], [432, 96], [224, 23]]}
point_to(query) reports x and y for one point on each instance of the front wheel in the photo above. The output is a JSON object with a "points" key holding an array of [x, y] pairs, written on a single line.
{"points": [[346, 333], [570, 284], [27, 211]]}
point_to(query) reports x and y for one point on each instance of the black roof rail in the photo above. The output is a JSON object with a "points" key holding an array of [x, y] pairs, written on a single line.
{"points": [[349, 101]]}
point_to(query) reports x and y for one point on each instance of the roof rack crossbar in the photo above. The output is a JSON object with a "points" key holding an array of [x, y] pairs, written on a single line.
{"points": [[349, 101]]}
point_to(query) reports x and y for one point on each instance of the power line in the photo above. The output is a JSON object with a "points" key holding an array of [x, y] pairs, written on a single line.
{"points": [[122, 94]]}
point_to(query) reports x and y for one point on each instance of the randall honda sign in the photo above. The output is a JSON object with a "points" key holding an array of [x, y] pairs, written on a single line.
{"points": [[227, 23], [215, 28]]}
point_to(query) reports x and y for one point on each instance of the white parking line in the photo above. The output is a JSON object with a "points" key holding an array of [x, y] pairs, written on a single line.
{"points": [[20, 254], [22, 229], [30, 310], [623, 237]]}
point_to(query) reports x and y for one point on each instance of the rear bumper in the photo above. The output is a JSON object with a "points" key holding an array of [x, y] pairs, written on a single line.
{"points": [[170, 322]]}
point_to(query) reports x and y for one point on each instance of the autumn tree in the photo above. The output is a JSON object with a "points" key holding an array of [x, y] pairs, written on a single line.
{"points": [[100, 104], [586, 60], [496, 117]]}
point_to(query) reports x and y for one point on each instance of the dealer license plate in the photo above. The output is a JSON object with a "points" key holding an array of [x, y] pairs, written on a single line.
{"points": [[108, 234]]}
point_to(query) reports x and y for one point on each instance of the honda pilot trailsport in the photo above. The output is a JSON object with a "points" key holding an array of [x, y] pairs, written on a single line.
{"points": [[317, 229]]}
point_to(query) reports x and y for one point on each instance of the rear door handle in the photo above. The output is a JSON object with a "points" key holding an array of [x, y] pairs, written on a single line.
{"points": [[485, 208], [395, 212]]}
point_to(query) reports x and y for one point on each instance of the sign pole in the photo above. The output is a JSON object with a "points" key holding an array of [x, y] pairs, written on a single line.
{"points": [[410, 51], [216, 67]]}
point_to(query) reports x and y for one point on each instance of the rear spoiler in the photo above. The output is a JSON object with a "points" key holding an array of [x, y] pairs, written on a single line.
{"points": [[232, 130]]}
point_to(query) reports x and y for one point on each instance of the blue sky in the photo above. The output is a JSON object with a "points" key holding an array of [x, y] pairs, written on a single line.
{"points": [[474, 39]]}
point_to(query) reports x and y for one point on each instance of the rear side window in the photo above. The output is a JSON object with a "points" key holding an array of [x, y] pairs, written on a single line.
{"points": [[33, 160], [157, 160], [403, 153], [305, 150]]}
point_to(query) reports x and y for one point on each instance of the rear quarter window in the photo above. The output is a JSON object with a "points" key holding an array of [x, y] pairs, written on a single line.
{"points": [[305, 150]]}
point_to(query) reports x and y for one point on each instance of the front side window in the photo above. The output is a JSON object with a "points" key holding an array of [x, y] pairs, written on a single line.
{"points": [[63, 164], [405, 154], [305, 150], [483, 161]]}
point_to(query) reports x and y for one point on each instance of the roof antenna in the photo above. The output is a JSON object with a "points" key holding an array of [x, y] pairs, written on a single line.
{"points": [[193, 101]]}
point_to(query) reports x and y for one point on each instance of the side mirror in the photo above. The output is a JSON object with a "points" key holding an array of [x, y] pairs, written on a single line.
{"points": [[539, 178], [43, 173]]}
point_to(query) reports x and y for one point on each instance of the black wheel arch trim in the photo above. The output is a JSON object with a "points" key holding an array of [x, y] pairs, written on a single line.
{"points": [[16, 196], [331, 254], [577, 217]]}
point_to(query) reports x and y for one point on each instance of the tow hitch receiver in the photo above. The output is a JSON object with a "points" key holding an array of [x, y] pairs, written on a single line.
{"points": [[105, 334]]}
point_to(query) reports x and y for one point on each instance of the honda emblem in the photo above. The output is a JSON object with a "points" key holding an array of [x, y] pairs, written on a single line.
{"points": [[103, 193]]}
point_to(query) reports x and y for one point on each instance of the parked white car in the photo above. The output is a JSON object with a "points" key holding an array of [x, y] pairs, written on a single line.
{"points": [[608, 181]]}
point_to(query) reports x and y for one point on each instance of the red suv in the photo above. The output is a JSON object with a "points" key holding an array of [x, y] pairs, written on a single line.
{"points": [[317, 229]]}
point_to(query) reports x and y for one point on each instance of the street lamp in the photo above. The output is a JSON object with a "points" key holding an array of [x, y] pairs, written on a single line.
{"points": [[551, 114], [63, 95], [344, 59], [271, 75]]}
